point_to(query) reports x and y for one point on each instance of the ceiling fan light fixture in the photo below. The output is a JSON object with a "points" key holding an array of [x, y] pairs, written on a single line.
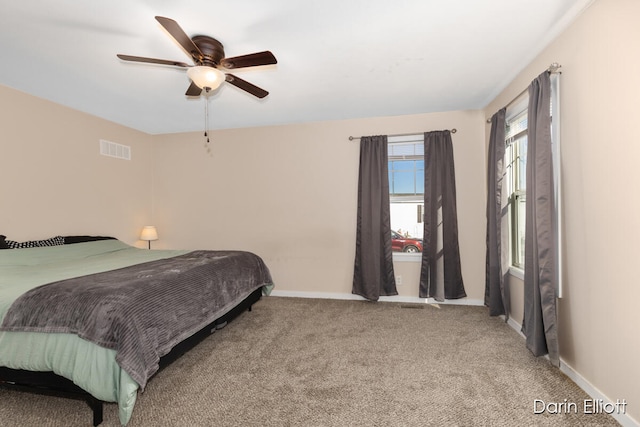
{"points": [[206, 77]]}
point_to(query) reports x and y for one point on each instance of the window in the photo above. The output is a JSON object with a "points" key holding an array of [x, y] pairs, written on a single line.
{"points": [[406, 193], [516, 182], [516, 167]]}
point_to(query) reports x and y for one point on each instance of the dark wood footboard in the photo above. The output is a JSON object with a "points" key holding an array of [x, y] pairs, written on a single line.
{"points": [[51, 384]]}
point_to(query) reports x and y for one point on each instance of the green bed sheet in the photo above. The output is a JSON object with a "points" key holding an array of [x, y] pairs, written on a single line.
{"points": [[89, 366]]}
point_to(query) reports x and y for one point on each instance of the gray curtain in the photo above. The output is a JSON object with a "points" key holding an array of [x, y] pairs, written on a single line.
{"points": [[440, 275], [496, 290], [373, 268], [540, 279]]}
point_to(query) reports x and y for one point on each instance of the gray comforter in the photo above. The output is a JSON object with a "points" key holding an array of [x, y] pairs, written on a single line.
{"points": [[144, 310]]}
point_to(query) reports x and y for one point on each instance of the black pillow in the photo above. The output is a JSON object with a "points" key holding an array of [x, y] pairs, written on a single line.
{"points": [[81, 239], [3, 244]]}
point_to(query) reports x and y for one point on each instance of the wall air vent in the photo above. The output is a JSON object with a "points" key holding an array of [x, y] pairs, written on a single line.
{"points": [[112, 149]]}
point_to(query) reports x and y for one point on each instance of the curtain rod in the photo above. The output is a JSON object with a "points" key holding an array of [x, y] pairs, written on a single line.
{"points": [[554, 68], [351, 138]]}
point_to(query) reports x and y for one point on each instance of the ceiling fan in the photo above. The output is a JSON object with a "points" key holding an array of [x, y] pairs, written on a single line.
{"points": [[208, 56]]}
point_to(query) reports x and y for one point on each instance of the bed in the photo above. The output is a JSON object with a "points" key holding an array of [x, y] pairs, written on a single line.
{"points": [[98, 318]]}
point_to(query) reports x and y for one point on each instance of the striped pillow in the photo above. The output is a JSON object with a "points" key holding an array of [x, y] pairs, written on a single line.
{"points": [[54, 241]]}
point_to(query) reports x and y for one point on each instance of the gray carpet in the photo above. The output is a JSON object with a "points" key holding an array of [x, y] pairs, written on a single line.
{"points": [[307, 362]]}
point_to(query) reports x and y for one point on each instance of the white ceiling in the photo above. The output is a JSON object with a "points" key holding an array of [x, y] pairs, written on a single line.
{"points": [[337, 59]]}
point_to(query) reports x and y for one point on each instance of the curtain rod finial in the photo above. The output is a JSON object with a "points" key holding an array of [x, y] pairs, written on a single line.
{"points": [[554, 67]]}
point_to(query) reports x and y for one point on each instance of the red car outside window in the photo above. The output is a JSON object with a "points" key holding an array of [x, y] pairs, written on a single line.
{"points": [[400, 243]]}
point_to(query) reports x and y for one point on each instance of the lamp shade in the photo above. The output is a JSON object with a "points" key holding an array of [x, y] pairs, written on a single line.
{"points": [[206, 77], [149, 232]]}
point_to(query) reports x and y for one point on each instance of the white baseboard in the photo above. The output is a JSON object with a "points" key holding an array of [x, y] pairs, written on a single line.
{"points": [[395, 298], [624, 419], [515, 325]]}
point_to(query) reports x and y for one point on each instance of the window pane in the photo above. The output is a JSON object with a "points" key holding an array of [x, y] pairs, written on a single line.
{"points": [[508, 159], [522, 164], [406, 188], [404, 183], [520, 227], [404, 149], [516, 179], [420, 181], [517, 125], [403, 165], [406, 177], [406, 226]]}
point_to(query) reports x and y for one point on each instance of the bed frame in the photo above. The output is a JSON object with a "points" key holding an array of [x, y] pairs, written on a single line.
{"points": [[51, 384]]}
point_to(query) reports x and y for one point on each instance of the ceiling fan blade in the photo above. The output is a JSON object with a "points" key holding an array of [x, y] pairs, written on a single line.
{"points": [[180, 36], [152, 60], [246, 86], [250, 60], [193, 90]]}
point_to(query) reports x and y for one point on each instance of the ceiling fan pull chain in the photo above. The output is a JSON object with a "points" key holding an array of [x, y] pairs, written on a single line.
{"points": [[206, 116], [207, 144]]}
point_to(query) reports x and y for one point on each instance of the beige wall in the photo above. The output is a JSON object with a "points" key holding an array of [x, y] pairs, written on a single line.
{"points": [[289, 193], [54, 180], [599, 315]]}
